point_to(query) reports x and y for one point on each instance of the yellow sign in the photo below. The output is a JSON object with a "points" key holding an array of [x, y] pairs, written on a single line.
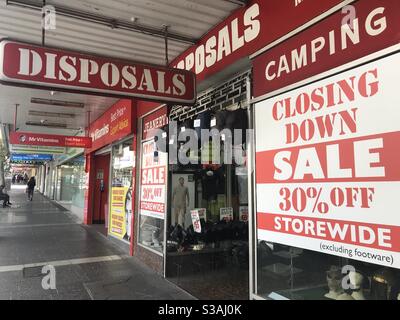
{"points": [[118, 212]]}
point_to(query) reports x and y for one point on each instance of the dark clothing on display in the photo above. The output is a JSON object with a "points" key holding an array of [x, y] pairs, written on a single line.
{"points": [[205, 119], [237, 120], [213, 183]]}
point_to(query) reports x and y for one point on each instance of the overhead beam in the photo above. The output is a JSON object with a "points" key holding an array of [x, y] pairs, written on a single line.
{"points": [[103, 20], [238, 2]]}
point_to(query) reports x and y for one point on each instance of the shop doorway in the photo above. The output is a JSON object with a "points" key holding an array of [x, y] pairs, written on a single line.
{"points": [[102, 172]]}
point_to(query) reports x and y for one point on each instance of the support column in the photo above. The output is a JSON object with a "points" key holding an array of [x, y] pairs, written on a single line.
{"points": [[134, 142]]}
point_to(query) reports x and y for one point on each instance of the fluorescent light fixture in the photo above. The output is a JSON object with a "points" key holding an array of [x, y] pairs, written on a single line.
{"points": [[46, 124], [59, 103], [51, 114]]}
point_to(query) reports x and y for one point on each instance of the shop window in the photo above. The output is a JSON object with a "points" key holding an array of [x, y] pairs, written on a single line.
{"points": [[207, 247], [289, 273], [71, 182]]}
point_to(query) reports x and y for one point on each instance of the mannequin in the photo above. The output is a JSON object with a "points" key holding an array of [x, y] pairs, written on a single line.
{"points": [[334, 278], [356, 280], [179, 196]]}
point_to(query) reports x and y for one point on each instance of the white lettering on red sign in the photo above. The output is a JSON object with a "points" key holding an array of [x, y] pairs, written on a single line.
{"points": [[309, 53], [40, 66], [228, 40]]}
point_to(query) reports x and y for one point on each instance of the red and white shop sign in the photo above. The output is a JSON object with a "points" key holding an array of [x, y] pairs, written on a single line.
{"points": [[30, 65], [114, 124], [328, 44], [154, 121], [37, 139], [327, 165], [153, 184], [248, 30]]}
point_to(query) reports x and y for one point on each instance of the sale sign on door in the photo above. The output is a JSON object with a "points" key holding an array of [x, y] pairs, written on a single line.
{"points": [[327, 165]]}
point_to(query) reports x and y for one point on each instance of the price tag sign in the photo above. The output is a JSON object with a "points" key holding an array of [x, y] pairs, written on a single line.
{"points": [[243, 213], [196, 220], [226, 214]]}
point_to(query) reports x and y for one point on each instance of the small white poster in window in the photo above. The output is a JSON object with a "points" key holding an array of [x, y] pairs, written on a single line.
{"points": [[244, 213], [226, 214], [196, 220]]}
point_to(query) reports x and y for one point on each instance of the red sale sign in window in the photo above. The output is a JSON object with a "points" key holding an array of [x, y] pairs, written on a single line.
{"points": [[154, 180], [327, 159]]}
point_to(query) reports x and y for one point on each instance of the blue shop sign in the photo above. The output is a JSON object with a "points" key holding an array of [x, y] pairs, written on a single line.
{"points": [[31, 157]]}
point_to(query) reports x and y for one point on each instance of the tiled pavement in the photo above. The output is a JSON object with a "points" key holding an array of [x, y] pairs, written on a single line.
{"points": [[39, 231]]}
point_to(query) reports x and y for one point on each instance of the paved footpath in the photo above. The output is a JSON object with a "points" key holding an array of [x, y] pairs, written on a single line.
{"points": [[87, 265]]}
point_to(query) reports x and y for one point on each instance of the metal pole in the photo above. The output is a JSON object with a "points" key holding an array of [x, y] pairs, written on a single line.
{"points": [[252, 215], [88, 124], [43, 24], [166, 46], [15, 117]]}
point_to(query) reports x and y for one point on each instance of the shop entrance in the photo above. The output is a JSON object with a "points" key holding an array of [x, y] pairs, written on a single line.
{"points": [[102, 171]]}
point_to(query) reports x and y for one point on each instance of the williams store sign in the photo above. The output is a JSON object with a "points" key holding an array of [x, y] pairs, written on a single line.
{"points": [[35, 66]]}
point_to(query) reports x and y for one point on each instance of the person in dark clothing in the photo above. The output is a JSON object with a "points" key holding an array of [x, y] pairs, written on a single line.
{"points": [[4, 196], [31, 188]]}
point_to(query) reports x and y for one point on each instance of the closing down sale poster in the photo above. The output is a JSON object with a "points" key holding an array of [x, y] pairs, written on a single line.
{"points": [[327, 165]]}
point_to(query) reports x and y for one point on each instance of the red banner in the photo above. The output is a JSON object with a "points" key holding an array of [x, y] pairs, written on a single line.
{"points": [[377, 236], [36, 66], [114, 124], [328, 44], [38, 139], [332, 158], [247, 30]]}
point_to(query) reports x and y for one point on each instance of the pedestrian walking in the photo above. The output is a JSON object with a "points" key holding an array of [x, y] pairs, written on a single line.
{"points": [[31, 188], [4, 196]]}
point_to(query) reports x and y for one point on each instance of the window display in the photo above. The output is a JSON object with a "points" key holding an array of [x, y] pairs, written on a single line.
{"points": [[207, 236], [71, 181], [293, 273]]}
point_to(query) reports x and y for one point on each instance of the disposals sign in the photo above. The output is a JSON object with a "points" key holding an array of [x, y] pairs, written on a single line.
{"points": [[249, 29], [327, 165], [31, 65]]}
